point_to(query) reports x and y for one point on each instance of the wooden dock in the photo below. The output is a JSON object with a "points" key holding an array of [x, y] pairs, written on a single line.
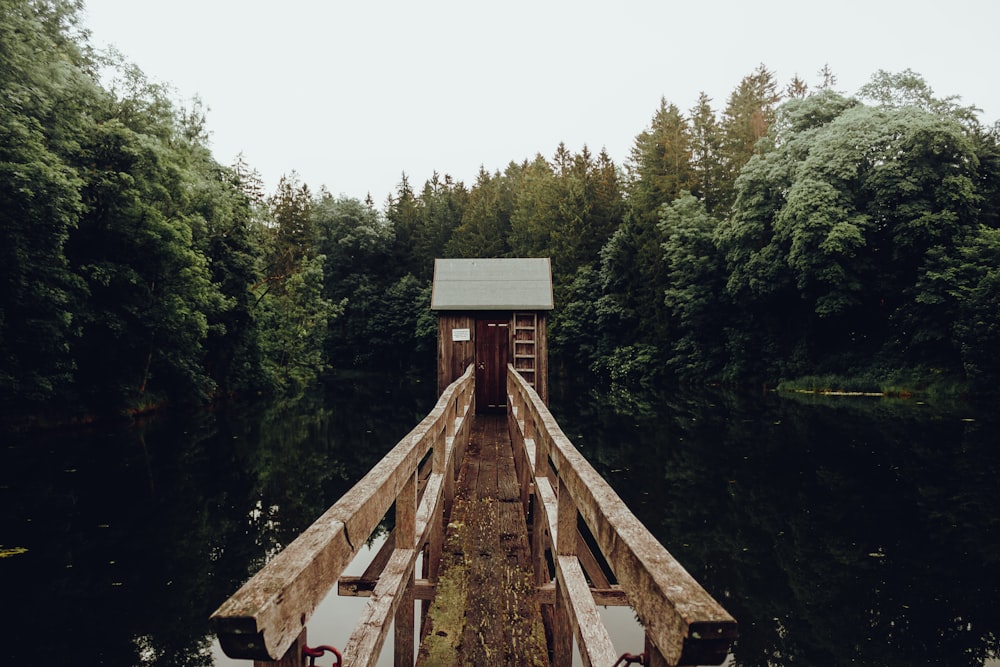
{"points": [[521, 540], [486, 611]]}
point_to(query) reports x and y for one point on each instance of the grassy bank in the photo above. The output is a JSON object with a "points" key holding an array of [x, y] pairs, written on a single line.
{"points": [[898, 383]]}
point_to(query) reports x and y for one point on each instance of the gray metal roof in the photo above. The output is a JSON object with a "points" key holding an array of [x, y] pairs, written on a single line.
{"points": [[492, 284]]}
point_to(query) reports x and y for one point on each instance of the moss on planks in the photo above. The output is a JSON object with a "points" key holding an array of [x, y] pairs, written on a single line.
{"points": [[485, 612]]}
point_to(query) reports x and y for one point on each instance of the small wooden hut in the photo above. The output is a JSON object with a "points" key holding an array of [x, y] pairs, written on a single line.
{"points": [[493, 312]]}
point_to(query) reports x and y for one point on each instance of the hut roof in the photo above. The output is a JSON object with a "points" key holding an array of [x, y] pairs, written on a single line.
{"points": [[492, 284]]}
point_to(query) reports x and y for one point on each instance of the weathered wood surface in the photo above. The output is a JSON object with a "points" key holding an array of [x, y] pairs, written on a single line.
{"points": [[585, 621], [682, 621], [264, 617], [486, 611]]}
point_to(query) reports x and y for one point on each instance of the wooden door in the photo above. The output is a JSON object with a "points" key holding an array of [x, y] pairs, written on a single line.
{"points": [[492, 350]]}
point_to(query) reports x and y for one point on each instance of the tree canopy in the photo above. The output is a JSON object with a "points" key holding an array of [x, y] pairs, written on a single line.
{"points": [[795, 231]]}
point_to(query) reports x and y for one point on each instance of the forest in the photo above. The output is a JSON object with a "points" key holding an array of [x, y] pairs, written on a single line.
{"points": [[794, 234]]}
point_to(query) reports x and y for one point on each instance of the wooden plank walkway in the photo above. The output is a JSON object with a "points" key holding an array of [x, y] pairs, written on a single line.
{"points": [[486, 588], [485, 611]]}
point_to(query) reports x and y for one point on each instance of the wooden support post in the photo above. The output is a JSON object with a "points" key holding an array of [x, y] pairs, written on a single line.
{"points": [[438, 458], [292, 657], [449, 486], [653, 656], [567, 534], [529, 420], [406, 536], [435, 537], [449, 416], [562, 629], [542, 444]]}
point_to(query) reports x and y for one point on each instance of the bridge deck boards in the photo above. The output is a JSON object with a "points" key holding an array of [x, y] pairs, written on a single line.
{"points": [[485, 612]]}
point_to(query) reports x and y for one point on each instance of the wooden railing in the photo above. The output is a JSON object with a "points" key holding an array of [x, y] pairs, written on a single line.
{"points": [[266, 619], [684, 625]]}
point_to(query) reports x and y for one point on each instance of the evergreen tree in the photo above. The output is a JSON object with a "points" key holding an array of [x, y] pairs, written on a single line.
{"points": [[534, 210], [706, 155], [290, 218], [566, 210], [660, 166], [440, 209], [356, 242], [797, 88], [485, 223], [695, 297], [402, 211], [746, 119]]}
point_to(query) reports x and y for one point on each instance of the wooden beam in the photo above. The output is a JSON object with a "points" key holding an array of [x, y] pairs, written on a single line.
{"points": [[365, 644], [423, 589], [613, 596], [546, 502], [592, 637], [591, 567]]}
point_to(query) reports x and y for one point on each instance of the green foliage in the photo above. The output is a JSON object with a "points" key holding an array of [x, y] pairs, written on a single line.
{"points": [[294, 323], [44, 90], [566, 210], [695, 293], [128, 252], [291, 225], [967, 283], [747, 118], [573, 329], [660, 167], [834, 227], [817, 237], [150, 292], [707, 162], [485, 225], [897, 90]]}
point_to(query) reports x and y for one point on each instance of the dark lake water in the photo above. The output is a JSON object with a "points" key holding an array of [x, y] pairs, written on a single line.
{"points": [[838, 532]]}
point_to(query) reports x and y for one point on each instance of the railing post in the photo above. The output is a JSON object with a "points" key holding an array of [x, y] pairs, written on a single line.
{"points": [[525, 412], [435, 537], [406, 536], [566, 536], [450, 414], [653, 656], [541, 466], [568, 514], [293, 656]]}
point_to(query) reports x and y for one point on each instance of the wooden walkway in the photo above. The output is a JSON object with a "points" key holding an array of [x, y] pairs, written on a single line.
{"points": [[462, 487], [485, 611]]}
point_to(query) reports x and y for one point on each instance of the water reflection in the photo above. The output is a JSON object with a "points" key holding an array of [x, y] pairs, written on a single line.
{"points": [[837, 532], [134, 536]]}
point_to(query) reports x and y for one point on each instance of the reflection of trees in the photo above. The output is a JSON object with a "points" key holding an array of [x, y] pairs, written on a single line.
{"points": [[130, 553], [835, 535]]}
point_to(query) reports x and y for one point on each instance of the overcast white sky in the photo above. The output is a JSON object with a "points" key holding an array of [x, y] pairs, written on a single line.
{"points": [[352, 94]]}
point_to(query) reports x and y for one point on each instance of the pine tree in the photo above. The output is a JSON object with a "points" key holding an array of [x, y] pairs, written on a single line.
{"points": [[486, 220], [660, 166], [706, 158], [290, 213], [749, 114]]}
